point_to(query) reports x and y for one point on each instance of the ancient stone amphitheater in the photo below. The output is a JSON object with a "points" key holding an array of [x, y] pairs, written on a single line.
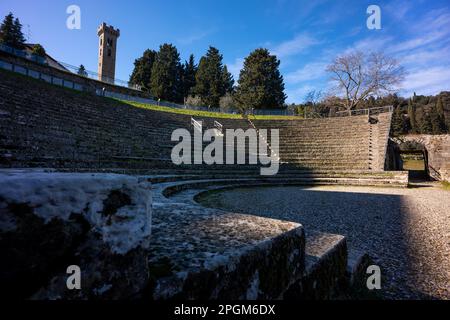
{"points": [[89, 181]]}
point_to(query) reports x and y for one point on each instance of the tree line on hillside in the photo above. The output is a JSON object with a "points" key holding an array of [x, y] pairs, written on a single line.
{"points": [[422, 114], [370, 80], [209, 83], [416, 115]]}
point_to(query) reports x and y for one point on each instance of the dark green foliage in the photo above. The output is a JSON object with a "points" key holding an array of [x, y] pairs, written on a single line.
{"points": [[440, 107], [82, 71], [166, 82], [260, 84], [425, 124], [209, 80], [398, 122], [412, 116], [437, 121], [444, 121], [38, 50], [228, 80], [11, 32], [189, 71], [18, 35], [142, 72]]}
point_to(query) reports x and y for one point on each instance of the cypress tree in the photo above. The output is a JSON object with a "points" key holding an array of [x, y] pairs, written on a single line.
{"points": [[437, 121], [412, 116], [398, 124], [209, 84], [425, 125], [440, 107], [189, 71], [142, 71], [440, 110], [166, 74], [261, 85]]}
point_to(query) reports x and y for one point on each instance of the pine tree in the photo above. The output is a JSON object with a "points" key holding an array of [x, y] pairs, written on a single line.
{"points": [[11, 32], [412, 116], [228, 80], [209, 84], [166, 74], [398, 124], [189, 71], [142, 71], [261, 85], [18, 35], [82, 71], [425, 125]]}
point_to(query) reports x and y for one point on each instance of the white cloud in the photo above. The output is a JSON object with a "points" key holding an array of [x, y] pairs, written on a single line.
{"points": [[311, 71], [370, 44], [427, 81], [294, 46], [417, 42], [434, 20], [398, 9], [426, 56]]}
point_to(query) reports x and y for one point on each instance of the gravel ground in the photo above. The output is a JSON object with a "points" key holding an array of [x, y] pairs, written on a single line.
{"points": [[407, 231]]}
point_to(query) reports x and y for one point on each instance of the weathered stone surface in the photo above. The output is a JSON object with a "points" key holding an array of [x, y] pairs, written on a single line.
{"points": [[50, 221], [105, 275], [262, 271], [32, 250], [326, 262], [202, 253]]}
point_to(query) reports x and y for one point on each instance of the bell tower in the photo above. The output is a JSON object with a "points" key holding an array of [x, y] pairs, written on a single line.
{"points": [[107, 52]]}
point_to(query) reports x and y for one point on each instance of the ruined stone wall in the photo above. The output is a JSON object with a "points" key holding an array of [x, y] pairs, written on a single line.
{"points": [[438, 149]]}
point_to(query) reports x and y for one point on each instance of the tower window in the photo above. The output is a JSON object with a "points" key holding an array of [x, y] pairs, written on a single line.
{"points": [[109, 52]]}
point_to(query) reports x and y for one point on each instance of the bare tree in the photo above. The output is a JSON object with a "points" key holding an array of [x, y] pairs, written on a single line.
{"points": [[359, 75], [314, 97], [312, 100]]}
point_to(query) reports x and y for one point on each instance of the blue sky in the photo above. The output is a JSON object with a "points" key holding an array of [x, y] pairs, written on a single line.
{"points": [[305, 35]]}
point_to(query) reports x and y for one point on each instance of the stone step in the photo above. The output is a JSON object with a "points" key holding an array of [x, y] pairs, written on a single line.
{"points": [[325, 268]]}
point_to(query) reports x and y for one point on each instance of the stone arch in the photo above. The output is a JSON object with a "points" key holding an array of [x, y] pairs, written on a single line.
{"points": [[435, 150], [415, 149]]}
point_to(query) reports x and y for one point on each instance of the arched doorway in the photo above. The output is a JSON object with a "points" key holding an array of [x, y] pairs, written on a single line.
{"points": [[414, 159]]}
